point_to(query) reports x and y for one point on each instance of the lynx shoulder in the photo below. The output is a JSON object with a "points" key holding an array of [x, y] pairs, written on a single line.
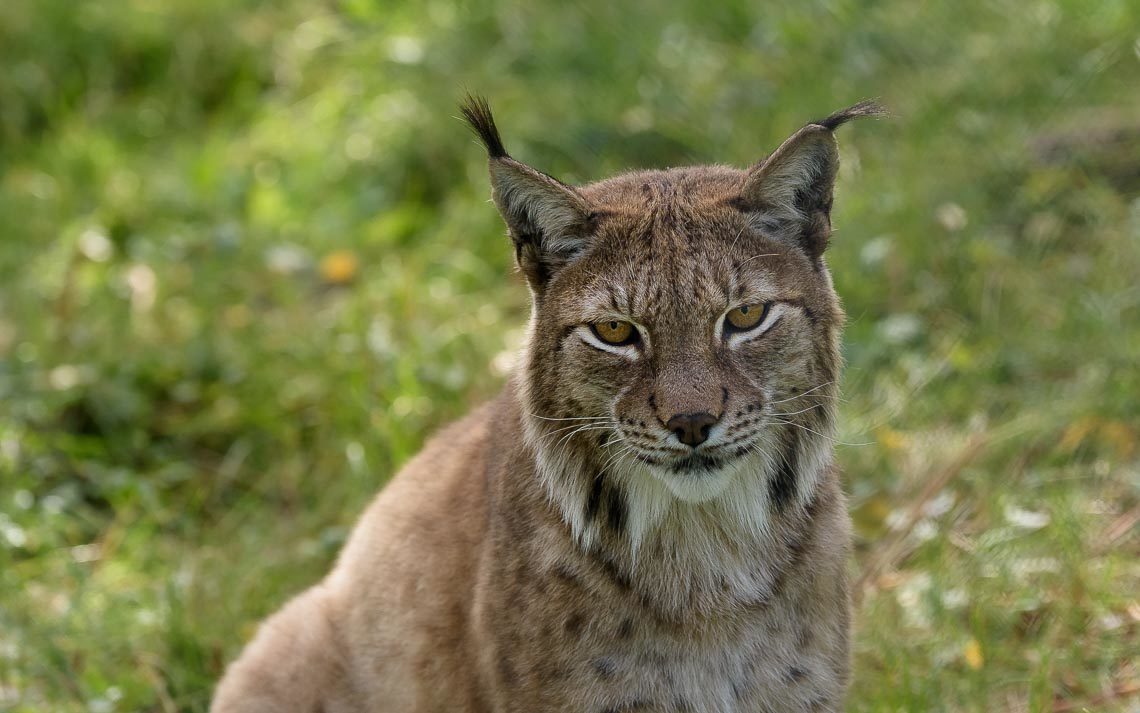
{"points": [[648, 517]]}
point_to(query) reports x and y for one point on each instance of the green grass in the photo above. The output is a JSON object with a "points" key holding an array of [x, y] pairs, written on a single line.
{"points": [[193, 412]]}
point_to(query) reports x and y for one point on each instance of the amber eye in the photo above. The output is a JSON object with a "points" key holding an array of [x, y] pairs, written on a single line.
{"points": [[745, 317], [615, 332]]}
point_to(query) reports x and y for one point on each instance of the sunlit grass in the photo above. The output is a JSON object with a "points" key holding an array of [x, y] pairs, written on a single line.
{"points": [[247, 265]]}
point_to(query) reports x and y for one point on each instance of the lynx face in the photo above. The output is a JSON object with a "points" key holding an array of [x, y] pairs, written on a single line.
{"points": [[684, 339], [682, 350]]}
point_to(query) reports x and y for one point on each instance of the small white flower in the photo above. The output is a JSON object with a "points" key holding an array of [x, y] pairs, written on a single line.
{"points": [[939, 505], [911, 597], [1026, 519], [53, 504], [951, 216], [1110, 622], [354, 453], [95, 245], [13, 533], [875, 250], [86, 553], [286, 259], [896, 520], [100, 705], [955, 598], [404, 49], [503, 362], [64, 377], [899, 328], [1027, 566], [143, 284], [24, 499], [925, 530]]}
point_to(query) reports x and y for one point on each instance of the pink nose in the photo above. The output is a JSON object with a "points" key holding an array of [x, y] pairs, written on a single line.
{"points": [[692, 429]]}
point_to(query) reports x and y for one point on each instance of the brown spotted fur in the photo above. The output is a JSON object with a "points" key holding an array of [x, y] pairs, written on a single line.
{"points": [[559, 549]]}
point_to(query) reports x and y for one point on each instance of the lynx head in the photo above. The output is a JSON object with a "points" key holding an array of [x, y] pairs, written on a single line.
{"points": [[684, 342]]}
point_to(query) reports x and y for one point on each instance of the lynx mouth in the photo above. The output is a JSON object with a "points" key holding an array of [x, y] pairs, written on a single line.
{"points": [[694, 477], [695, 464], [692, 464]]}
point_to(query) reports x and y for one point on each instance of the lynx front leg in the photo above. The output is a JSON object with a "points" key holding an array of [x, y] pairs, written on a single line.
{"points": [[292, 665]]}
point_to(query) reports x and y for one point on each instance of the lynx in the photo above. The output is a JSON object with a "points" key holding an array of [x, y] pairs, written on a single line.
{"points": [[648, 517]]}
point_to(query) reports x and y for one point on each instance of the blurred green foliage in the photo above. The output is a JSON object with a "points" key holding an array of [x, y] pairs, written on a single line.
{"points": [[247, 265]]}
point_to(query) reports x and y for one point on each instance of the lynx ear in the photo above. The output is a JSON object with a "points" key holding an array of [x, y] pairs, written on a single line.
{"points": [[788, 195], [549, 221]]}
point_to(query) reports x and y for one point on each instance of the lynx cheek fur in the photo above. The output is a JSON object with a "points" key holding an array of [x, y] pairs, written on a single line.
{"points": [[648, 517]]}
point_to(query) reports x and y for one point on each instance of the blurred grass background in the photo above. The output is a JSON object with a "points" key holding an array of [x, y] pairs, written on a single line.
{"points": [[247, 264]]}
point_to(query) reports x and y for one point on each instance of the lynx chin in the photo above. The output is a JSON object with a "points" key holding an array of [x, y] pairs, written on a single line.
{"points": [[648, 517]]}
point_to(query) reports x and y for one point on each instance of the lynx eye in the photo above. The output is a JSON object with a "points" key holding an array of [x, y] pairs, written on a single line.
{"points": [[615, 332], [745, 317]]}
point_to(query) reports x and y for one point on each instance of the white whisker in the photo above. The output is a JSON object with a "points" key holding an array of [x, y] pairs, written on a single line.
{"points": [[574, 418], [738, 234], [795, 413], [580, 429], [800, 396], [575, 425], [821, 435], [616, 457], [754, 257]]}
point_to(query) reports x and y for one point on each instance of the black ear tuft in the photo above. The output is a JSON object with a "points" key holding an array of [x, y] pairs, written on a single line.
{"points": [[548, 220], [788, 195], [477, 113], [867, 107]]}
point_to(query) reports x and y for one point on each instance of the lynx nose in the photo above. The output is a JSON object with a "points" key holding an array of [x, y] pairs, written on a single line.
{"points": [[692, 429]]}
